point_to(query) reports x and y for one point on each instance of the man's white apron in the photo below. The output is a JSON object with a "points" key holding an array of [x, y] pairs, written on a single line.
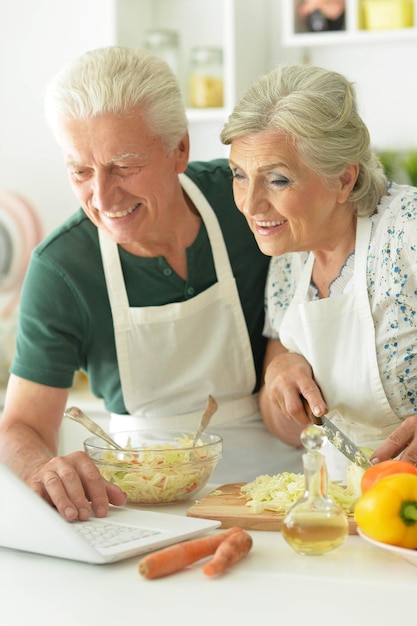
{"points": [[172, 357]]}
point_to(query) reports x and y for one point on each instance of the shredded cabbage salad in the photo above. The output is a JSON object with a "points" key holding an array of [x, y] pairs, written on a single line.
{"points": [[160, 472], [277, 493]]}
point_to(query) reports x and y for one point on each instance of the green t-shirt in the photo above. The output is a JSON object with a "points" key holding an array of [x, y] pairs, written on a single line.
{"points": [[65, 320]]}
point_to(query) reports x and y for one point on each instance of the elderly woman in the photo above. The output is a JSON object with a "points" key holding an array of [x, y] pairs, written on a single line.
{"points": [[341, 293]]}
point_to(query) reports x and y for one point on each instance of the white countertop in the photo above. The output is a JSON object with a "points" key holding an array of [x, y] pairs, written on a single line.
{"points": [[358, 584]]}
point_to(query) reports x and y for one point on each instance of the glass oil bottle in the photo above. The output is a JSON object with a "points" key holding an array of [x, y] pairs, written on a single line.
{"points": [[315, 524]]}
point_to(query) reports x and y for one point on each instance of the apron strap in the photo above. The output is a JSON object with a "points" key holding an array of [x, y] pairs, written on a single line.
{"points": [[215, 235], [114, 279]]}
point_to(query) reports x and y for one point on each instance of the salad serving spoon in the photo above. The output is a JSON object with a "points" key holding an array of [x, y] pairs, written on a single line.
{"points": [[209, 411], [74, 413]]}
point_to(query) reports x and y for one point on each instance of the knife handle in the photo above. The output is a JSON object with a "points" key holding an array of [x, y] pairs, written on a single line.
{"points": [[316, 420]]}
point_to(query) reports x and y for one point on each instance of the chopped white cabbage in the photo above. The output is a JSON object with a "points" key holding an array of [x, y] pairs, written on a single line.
{"points": [[277, 493], [162, 473]]}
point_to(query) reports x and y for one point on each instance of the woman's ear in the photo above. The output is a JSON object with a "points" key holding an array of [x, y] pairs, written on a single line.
{"points": [[347, 181]]}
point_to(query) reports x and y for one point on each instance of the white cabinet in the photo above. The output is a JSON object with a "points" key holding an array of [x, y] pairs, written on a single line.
{"points": [[295, 31], [238, 27]]}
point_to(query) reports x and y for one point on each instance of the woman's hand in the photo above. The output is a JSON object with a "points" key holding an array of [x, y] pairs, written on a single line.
{"points": [[401, 442], [287, 377]]}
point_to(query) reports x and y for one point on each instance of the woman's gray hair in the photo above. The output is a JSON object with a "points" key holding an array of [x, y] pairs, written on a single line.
{"points": [[117, 80], [317, 110]]}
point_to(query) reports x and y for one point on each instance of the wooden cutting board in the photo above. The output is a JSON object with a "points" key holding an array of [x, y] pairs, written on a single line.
{"points": [[226, 505]]}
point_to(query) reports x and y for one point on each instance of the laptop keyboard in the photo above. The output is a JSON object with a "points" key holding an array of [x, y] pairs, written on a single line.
{"points": [[107, 534]]}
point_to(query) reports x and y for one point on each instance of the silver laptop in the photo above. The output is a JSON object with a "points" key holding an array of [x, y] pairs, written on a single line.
{"points": [[29, 523]]}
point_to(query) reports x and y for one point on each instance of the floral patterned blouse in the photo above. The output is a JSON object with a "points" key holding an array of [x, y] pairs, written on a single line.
{"points": [[392, 289]]}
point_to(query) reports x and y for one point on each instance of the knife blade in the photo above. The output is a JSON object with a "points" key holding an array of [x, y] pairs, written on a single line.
{"points": [[338, 438]]}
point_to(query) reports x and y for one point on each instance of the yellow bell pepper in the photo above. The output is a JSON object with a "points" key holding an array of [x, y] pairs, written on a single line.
{"points": [[387, 512]]}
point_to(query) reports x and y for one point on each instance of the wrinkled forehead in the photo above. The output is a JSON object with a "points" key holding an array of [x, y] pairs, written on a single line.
{"points": [[107, 138], [264, 148]]}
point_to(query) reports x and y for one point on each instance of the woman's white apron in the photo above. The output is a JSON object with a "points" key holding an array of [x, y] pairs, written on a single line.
{"points": [[168, 365], [337, 337]]}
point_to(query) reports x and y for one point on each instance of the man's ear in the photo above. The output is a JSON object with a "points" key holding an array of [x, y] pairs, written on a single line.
{"points": [[183, 153]]}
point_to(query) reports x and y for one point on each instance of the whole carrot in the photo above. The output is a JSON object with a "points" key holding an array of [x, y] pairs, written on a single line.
{"points": [[176, 557], [229, 552]]}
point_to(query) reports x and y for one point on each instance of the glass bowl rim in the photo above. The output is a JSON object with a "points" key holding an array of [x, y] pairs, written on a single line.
{"points": [[168, 436]]}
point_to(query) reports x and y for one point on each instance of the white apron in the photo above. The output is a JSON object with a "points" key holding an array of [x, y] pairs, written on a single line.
{"points": [[167, 365], [337, 337]]}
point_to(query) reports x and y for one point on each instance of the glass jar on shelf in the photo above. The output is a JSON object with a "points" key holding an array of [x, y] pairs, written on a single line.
{"points": [[165, 44], [205, 80], [387, 14]]}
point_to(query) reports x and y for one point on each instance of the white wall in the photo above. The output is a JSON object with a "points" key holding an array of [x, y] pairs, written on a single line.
{"points": [[385, 78], [38, 36], [384, 75]]}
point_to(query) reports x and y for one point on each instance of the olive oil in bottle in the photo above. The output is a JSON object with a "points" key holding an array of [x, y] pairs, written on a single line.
{"points": [[315, 524]]}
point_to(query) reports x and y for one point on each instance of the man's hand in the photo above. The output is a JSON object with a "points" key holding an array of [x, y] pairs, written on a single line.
{"points": [[29, 436], [73, 484]]}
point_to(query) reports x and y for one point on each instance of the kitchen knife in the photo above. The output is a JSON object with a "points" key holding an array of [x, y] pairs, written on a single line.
{"points": [[338, 438]]}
